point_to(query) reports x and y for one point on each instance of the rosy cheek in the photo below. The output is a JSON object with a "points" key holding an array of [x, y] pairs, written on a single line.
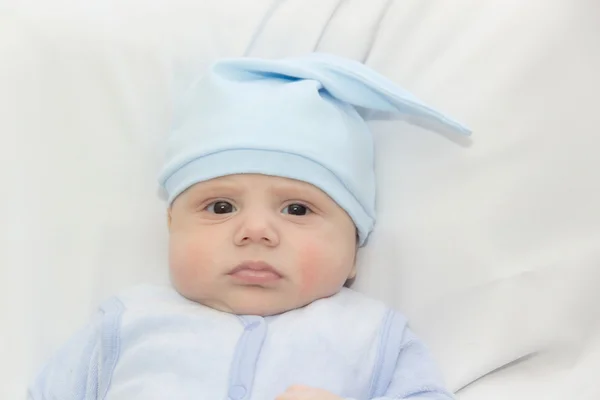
{"points": [[185, 258], [310, 277], [310, 264]]}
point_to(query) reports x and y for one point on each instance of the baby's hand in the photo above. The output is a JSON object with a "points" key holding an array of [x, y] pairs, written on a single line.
{"points": [[300, 392]]}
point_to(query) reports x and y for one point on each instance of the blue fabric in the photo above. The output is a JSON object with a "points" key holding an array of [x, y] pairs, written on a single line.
{"points": [[402, 372], [296, 118], [83, 367], [243, 365], [112, 311], [386, 357], [153, 343]]}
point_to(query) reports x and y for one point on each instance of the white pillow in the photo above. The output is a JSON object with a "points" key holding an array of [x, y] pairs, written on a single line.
{"points": [[493, 249]]}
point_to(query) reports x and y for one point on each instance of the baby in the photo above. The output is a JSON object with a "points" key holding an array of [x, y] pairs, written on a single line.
{"points": [[270, 183]]}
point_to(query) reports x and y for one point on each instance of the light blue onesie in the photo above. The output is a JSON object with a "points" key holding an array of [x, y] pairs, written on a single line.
{"points": [[151, 343]]}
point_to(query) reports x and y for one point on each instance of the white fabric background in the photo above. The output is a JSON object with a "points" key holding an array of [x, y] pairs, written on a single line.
{"points": [[491, 247]]}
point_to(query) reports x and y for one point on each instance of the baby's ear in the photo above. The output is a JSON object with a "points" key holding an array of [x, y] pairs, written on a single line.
{"points": [[352, 273], [351, 278], [169, 217]]}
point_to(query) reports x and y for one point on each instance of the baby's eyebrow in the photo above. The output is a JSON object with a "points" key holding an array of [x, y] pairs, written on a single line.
{"points": [[286, 190], [217, 188]]}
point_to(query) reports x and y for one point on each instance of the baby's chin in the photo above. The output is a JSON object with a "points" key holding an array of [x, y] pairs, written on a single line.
{"points": [[256, 301], [257, 305], [260, 310]]}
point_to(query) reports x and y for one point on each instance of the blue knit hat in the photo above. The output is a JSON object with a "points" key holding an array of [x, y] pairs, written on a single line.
{"points": [[296, 118]]}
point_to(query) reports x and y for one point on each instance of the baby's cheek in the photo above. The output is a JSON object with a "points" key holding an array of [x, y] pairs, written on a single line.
{"points": [[184, 260], [310, 279], [313, 268]]}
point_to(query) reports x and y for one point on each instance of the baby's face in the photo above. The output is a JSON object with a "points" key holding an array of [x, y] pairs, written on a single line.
{"points": [[259, 245]]}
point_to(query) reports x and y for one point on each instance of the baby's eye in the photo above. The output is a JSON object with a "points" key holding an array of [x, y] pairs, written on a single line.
{"points": [[296, 209], [220, 207]]}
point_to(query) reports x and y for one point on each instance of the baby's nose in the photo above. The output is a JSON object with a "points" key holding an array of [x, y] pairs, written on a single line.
{"points": [[257, 229]]}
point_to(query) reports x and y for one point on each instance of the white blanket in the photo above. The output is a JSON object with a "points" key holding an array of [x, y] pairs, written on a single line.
{"points": [[491, 247]]}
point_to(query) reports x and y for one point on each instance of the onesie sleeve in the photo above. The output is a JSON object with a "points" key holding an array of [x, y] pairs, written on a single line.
{"points": [[406, 369], [82, 367]]}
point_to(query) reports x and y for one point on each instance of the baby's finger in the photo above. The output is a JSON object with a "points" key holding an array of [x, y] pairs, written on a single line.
{"points": [[298, 389], [294, 392]]}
